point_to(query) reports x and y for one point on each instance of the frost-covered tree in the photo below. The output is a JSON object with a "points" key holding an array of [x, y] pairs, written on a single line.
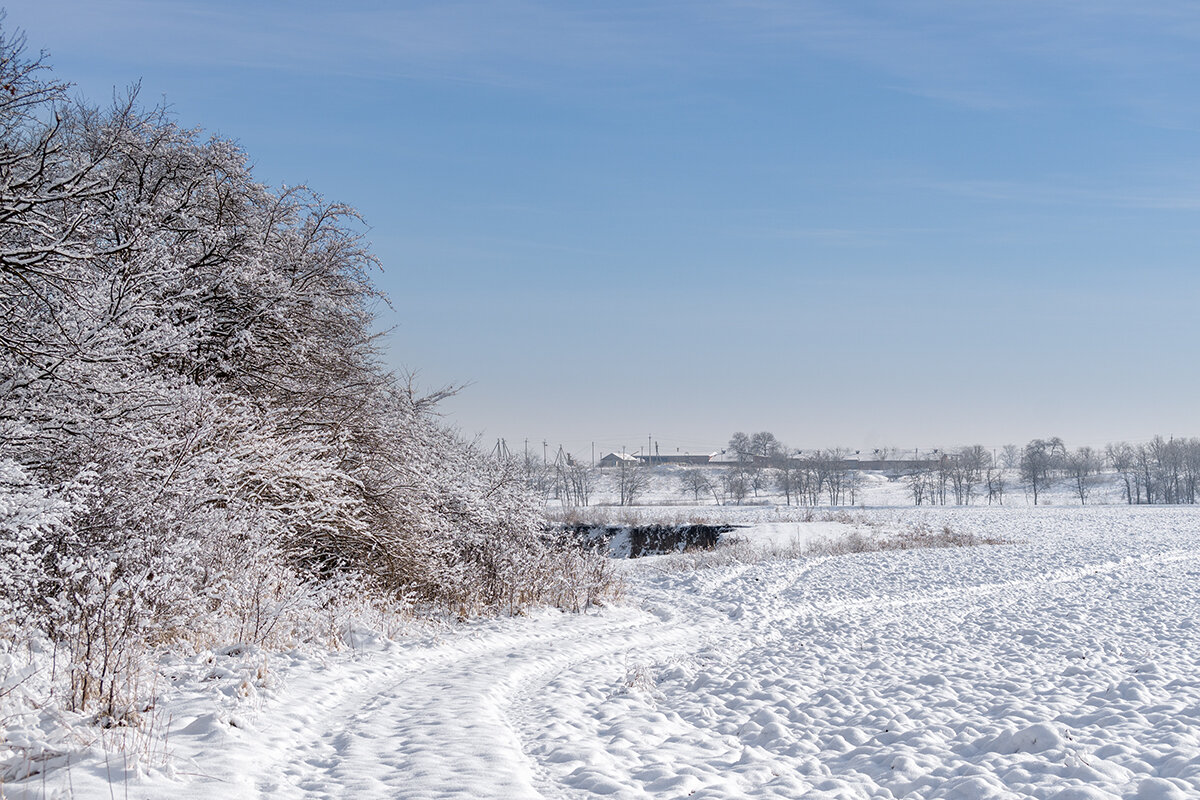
{"points": [[191, 400]]}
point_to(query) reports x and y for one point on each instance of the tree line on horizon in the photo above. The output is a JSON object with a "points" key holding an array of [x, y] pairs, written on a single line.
{"points": [[1161, 471]]}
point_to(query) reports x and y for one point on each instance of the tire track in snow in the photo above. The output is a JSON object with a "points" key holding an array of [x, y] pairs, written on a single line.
{"points": [[439, 725], [1051, 577]]}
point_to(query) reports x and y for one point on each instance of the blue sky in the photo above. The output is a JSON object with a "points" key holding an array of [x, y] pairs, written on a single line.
{"points": [[856, 224]]}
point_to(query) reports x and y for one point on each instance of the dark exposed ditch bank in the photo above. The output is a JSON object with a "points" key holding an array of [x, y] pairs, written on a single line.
{"points": [[635, 541]]}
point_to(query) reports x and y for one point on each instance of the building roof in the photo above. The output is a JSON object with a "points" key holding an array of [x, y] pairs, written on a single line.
{"points": [[621, 457]]}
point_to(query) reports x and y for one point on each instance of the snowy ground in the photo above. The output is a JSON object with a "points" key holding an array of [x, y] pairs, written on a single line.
{"points": [[1066, 665]]}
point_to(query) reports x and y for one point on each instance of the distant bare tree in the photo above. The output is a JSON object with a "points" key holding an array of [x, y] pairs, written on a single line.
{"points": [[966, 471], [632, 480], [1010, 456], [941, 476], [1191, 470], [1080, 466], [817, 467], [918, 481], [837, 476], [1039, 460], [1122, 458], [583, 477], [785, 474], [697, 482], [574, 482], [757, 476], [764, 445], [852, 485], [995, 485], [1147, 472], [717, 488], [742, 446], [736, 485]]}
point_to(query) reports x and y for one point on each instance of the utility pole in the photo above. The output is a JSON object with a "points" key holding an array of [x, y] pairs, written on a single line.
{"points": [[593, 454], [648, 448], [545, 445], [527, 448]]}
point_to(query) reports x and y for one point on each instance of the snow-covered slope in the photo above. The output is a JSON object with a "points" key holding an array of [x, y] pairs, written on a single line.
{"points": [[1066, 665]]}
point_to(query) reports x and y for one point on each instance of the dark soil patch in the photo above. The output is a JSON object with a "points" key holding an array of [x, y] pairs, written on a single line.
{"points": [[649, 540]]}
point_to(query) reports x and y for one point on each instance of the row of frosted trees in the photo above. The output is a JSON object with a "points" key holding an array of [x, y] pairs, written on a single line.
{"points": [[1158, 471], [761, 463]]}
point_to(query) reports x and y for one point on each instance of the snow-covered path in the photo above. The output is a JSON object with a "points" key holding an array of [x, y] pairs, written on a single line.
{"points": [[1064, 666], [434, 725]]}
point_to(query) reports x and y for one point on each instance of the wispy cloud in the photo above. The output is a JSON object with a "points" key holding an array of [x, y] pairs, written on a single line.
{"points": [[475, 42], [1070, 191], [981, 55], [839, 236], [994, 55]]}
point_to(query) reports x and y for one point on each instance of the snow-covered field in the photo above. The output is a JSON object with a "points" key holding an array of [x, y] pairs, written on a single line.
{"points": [[1065, 665]]}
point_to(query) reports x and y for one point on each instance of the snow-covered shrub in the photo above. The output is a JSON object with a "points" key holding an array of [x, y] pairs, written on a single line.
{"points": [[31, 515]]}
